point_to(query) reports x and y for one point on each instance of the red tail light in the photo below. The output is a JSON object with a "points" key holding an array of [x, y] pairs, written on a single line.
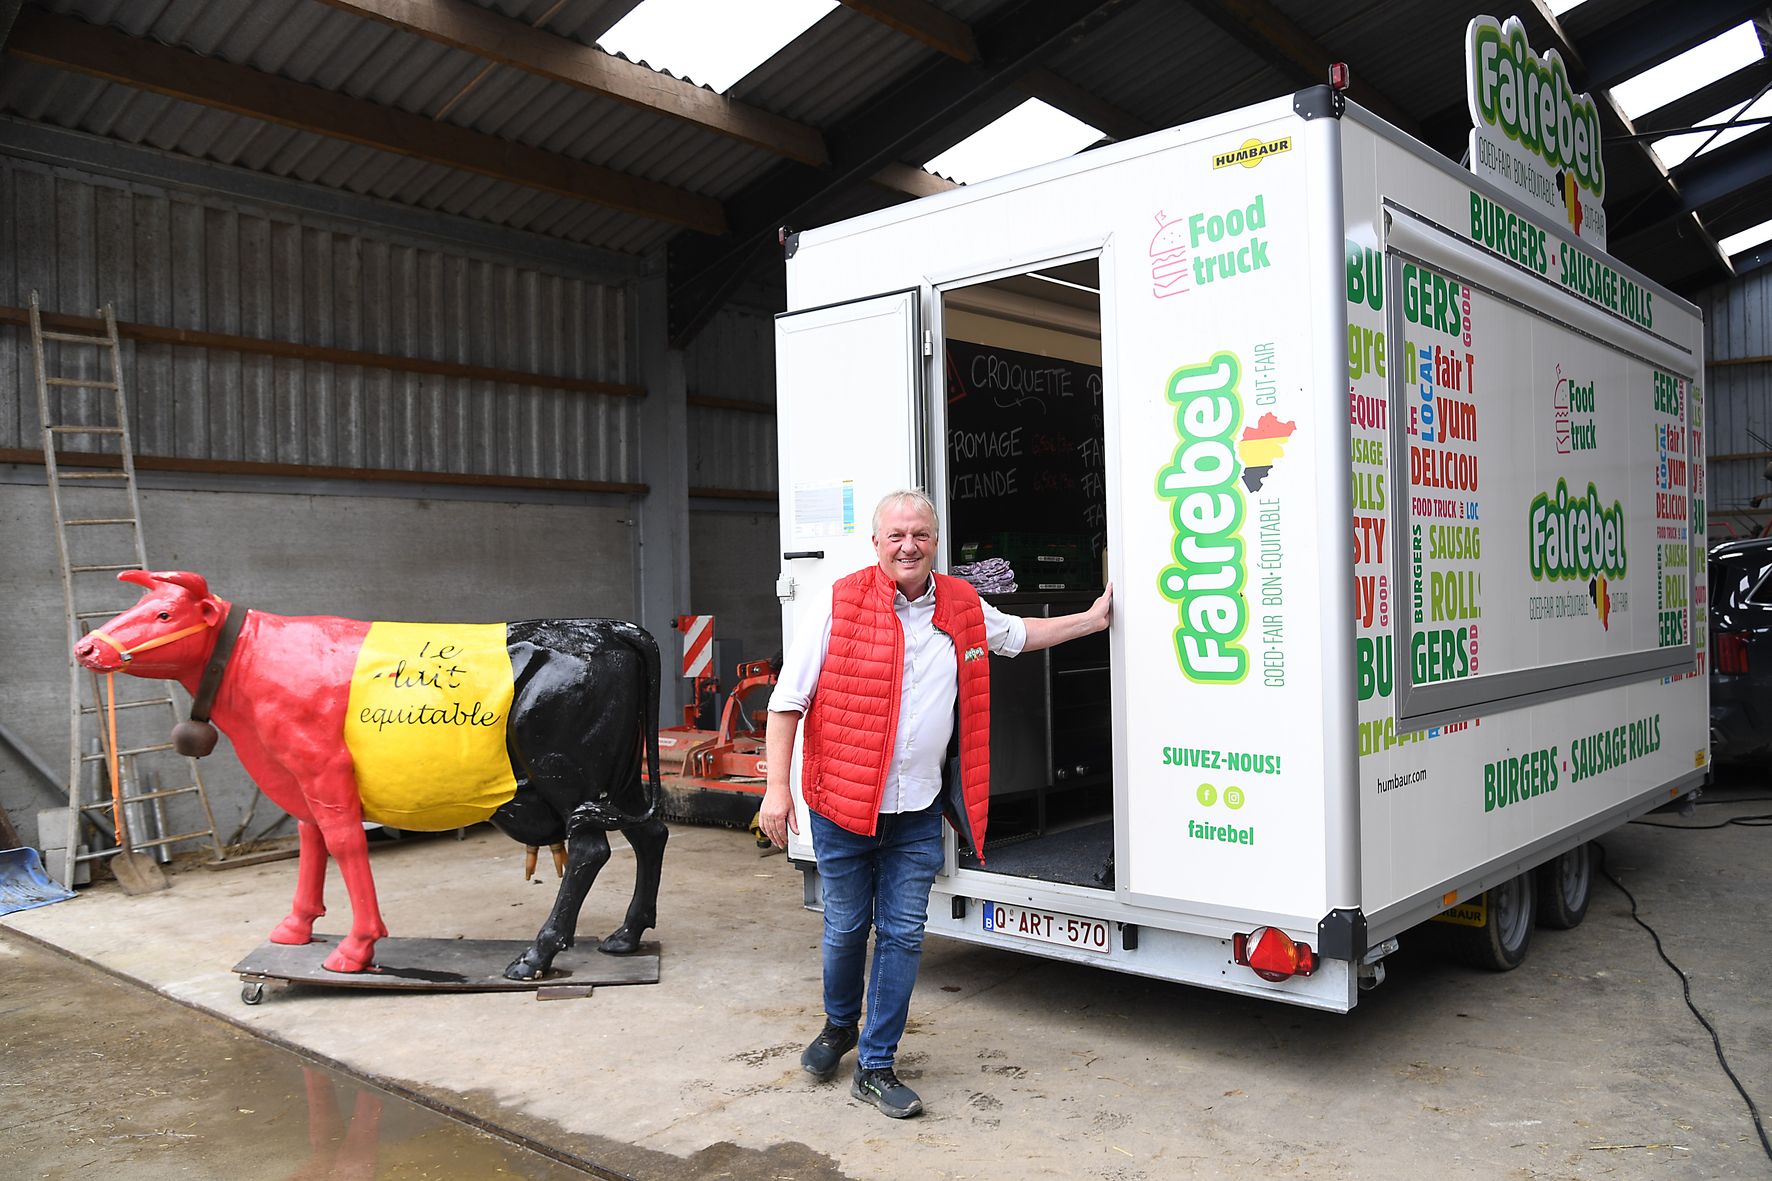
{"points": [[1731, 654], [1272, 954]]}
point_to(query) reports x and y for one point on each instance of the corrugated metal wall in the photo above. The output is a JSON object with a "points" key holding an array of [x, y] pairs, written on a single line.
{"points": [[733, 358], [1738, 402], [177, 259], [733, 541]]}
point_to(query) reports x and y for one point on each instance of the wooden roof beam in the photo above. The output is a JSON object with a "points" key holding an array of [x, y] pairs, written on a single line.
{"points": [[924, 22], [462, 25], [68, 44], [911, 181], [1273, 37]]}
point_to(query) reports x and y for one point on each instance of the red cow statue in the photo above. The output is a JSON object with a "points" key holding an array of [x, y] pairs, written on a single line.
{"points": [[579, 705]]}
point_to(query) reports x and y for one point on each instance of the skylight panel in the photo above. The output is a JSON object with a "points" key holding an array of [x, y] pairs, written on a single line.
{"points": [[1031, 134], [714, 42], [1675, 150], [1747, 239], [1699, 66]]}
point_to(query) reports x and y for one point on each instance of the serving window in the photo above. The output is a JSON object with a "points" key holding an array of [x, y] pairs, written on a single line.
{"points": [[1534, 552]]}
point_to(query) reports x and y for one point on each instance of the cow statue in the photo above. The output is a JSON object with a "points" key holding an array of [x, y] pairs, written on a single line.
{"points": [[537, 726]]}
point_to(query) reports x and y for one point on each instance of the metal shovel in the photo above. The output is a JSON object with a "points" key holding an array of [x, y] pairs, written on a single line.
{"points": [[137, 873]]}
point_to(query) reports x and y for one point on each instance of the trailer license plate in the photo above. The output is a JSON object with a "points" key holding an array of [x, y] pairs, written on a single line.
{"points": [[1046, 927]]}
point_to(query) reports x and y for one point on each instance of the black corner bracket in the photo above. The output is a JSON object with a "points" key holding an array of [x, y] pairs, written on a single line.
{"points": [[1318, 102], [1341, 935], [789, 241]]}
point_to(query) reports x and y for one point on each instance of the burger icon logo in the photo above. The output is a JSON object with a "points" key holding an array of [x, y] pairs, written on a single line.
{"points": [[1171, 272]]}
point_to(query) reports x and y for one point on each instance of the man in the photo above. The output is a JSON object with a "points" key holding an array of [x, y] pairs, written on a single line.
{"points": [[878, 680]]}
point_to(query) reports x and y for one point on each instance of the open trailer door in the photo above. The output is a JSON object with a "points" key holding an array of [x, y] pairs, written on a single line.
{"points": [[1228, 432], [850, 419]]}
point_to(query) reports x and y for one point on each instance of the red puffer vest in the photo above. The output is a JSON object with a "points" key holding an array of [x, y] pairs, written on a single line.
{"points": [[852, 723]]}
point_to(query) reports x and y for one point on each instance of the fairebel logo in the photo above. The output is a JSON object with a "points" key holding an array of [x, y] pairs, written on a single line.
{"points": [[1574, 537], [1171, 272], [1224, 834], [1205, 503], [1527, 97]]}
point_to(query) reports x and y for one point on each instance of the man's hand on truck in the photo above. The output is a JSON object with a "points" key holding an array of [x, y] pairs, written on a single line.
{"points": [[776, 817], [1044, 633]]}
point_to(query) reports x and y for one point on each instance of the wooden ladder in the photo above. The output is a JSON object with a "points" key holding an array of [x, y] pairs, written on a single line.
{"points": [[98, 534]]}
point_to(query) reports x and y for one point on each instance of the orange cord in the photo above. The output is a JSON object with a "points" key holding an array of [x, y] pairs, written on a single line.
{"points": [[111, 750]]}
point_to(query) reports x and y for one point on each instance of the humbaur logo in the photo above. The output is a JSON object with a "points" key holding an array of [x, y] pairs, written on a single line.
{"points": [[1253, 152], [1206, 506]]}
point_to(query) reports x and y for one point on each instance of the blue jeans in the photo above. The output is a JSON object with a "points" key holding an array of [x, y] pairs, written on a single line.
{"points": [[882, 881]]}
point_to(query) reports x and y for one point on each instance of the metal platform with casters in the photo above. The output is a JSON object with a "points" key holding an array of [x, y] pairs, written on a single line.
{"points": [[440, 965]]}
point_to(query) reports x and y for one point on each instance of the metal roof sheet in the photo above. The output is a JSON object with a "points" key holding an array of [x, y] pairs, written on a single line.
{"points": [[1162, 63]]}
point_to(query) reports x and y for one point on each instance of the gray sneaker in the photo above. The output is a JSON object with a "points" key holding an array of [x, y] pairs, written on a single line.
{"points": [[827, 1049], [882, 1088]]}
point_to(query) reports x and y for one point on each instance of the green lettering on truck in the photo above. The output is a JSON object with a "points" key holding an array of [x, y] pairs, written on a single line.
{"points": [[1206, 505]]}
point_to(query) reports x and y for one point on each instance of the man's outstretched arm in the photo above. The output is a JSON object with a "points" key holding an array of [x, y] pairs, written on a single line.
{"points": [[1044, 633]]}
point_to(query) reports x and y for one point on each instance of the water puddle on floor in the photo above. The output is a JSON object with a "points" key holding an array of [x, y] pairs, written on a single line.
{"points": [[99, 1078]]}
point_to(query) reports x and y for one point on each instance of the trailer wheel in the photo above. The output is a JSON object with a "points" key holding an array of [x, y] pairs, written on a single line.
{"points": [[1564, 886], [1499, 945]]}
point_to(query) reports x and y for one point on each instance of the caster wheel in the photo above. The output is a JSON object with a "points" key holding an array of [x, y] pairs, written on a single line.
{"points": [[252, 993]]}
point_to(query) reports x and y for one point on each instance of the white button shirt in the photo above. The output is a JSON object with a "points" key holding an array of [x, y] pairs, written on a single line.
{"points": [[929, 687]]}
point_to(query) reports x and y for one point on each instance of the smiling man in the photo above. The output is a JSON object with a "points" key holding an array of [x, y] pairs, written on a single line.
{"points": [[894, 686]]}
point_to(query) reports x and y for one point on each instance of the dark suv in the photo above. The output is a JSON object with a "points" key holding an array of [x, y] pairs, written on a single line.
{"points": [[1741, 650]]}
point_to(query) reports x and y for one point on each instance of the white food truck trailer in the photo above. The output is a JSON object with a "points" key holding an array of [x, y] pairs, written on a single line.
{"points": [[1400, 489]]}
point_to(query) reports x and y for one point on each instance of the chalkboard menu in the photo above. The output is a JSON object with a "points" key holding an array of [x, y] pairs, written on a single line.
{"points": [[1024, 448]]}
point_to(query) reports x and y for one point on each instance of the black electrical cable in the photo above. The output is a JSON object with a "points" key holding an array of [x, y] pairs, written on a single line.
{"points": [[1686, 988], [1763, 820], [1760, 821]]}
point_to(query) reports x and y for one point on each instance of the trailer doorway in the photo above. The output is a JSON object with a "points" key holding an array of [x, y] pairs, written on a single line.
{"points": [[1025, 521]]}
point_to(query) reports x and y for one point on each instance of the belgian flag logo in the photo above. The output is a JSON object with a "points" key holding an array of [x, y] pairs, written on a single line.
{"points": [[1570, 189], [1602, 601], [1262, 446]]}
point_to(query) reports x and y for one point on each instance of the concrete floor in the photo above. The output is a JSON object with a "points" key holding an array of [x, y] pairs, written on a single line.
{"points": [[1582, 1063]]}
